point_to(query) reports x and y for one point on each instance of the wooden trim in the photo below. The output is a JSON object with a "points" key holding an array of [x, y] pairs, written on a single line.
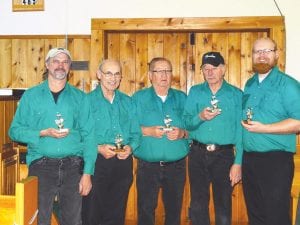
{"points": [[205, 23], [17, 6], [56, 36]]}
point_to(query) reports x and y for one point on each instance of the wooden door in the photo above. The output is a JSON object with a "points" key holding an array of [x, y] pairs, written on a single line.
{"points": [[136, 41]]}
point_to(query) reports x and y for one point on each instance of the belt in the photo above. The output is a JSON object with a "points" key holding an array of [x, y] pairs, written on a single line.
{"points": [[57, 160], [212, 147], [164, 163]]}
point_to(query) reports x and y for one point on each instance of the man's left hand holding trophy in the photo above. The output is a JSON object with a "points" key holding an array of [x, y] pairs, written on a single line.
{"points": [[59, 132]]}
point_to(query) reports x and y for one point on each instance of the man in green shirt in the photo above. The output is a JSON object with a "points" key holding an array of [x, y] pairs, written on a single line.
{"points": [[54, 119], [115, 124], [272, 98], [161, 155], [212, 114]]}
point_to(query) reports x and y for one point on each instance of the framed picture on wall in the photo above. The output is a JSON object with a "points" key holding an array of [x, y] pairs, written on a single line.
{"points": [[27, 5]]}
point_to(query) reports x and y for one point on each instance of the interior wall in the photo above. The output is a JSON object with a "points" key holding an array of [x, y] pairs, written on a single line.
{"points": [[74, 17]]}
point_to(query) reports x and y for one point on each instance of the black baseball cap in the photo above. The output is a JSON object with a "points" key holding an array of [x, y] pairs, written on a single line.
{"points": [[213, 58]]}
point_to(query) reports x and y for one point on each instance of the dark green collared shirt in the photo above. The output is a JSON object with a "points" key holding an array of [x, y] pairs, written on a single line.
{"points": [[37, 111], [114, 118], [275, 99], [151, 111], [225, 128]]}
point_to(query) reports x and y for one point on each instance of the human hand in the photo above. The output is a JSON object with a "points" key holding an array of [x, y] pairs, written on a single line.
{"points": [[207, 114], [254, 126], [235, 174], [85, 185], [175, 133], [55, 133], [124, 154], [107, 151], [154, 131]]}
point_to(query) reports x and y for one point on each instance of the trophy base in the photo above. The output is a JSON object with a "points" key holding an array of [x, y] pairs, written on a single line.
{"points": [[246, 121], [63, 130], [215, 110], [167, 129], [117, 150]]}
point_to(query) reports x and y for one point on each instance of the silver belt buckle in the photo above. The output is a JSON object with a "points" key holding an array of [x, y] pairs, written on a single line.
{"points": [[211, 147]]}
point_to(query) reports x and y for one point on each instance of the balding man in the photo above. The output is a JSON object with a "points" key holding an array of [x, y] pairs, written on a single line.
{"points": [[115, 127]]}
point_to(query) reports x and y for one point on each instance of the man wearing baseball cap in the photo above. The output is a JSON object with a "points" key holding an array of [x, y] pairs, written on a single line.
{"points": [[212, 114], [54, 119]]}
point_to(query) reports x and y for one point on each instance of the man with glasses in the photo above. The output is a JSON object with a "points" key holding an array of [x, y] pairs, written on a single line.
{"points": [[212, 114], [117, 135], [161, 155], [269, 138], [54, 119]]}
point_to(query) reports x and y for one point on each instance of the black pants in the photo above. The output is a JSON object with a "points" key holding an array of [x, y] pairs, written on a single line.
{"points": [[58, 177], [106, 204], [267, 179], [150, 178], [207, 168]]}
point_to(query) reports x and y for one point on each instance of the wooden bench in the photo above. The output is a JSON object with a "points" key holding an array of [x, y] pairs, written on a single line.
{"points": [[22, 209]]}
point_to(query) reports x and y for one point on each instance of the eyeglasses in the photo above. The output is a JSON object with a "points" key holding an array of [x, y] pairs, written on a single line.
{"points": [[109, 74], [161, 72], [263, 51], [57, 62]]}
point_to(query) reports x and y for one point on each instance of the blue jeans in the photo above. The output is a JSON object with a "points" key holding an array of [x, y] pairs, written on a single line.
{"points": [[58, 177], [267, 180], [207, 168], [150, 178]]}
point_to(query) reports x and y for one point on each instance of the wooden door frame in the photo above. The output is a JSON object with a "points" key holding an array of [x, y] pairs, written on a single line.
{"points": [[273, 25]]}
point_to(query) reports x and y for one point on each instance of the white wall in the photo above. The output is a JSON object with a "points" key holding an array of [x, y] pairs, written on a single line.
{"points": [[74, 16]]}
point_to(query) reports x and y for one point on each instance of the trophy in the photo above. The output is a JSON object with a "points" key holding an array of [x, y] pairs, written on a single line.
{"points": [[119, 143], [60, 123], [167, 121], [214, 103], [249, 114]]}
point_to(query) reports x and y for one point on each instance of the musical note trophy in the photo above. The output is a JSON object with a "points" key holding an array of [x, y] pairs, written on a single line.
{"points": [[119, 143], [60, 123], [249, 115], [167, 121], [214, 103]]}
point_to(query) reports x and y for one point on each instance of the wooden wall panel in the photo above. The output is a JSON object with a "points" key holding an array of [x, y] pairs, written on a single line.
{"points": [[7, 109], [113, 46], [127, 59], [22, 59], [141, 61], [234, 55], [5, 63]]}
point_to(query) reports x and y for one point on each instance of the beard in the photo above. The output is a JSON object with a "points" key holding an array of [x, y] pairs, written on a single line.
{"points": [[60, 74], [263, 68]]}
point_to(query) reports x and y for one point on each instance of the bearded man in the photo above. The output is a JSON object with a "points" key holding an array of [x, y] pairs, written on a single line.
{"points": [[269, 138], [54, 119]]}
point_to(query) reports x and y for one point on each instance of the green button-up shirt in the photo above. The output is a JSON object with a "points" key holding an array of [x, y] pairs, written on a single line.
{"points": [[151, 111], [37, 111], [223, 129], [114, 118], [275, 99]]}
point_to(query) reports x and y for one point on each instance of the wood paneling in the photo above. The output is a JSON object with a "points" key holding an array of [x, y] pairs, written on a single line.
{"points": [[22, 59], [7, 109]]}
